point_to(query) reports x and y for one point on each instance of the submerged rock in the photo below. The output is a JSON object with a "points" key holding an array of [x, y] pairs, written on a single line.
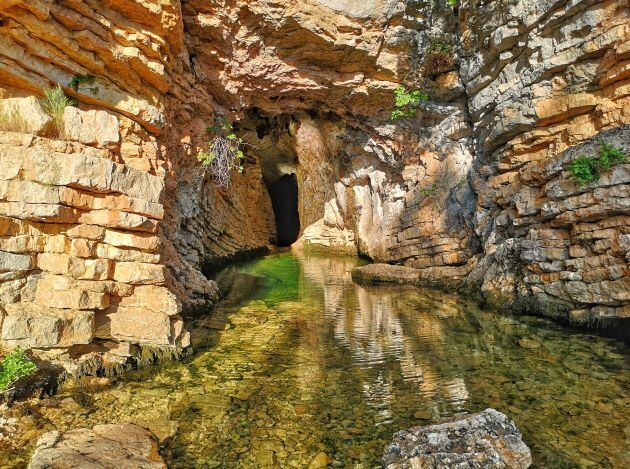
{"points": [[104, 446], [386, 273], [488, 439]]}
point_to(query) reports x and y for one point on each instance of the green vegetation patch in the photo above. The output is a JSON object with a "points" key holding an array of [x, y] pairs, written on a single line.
{"points": [[54, 104], [404, 101], [15, 365], [79, 80], [587, 169]]}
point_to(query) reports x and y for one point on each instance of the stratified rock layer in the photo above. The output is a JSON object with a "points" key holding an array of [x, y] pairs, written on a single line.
{"points": [[488, 439], [105, 227]]}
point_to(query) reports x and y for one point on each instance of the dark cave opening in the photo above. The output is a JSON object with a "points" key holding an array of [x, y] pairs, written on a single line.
{"points": [[284, 199]]}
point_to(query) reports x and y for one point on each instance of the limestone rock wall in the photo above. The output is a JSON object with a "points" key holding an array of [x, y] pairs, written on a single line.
{"points": [[105, 228], [546, 83], [101, 226]]}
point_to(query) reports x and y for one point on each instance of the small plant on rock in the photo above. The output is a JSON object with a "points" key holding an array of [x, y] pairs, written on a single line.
{"points": [[583, 170], [404, 101], [54, 104], [610, 156], [586, 169], [439, 56], [11, 120], [79, 80], [224, 154], [15, 365]]}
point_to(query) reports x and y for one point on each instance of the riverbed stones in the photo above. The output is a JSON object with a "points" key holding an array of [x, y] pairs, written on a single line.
{"points": [[482, 440], [109, 446]]}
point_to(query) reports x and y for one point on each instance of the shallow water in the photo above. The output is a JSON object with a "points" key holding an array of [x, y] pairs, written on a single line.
{"points": [[308, 363]]}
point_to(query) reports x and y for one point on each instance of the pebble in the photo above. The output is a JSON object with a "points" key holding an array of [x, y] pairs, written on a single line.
{"points": [[321, 460], [422, 415]]}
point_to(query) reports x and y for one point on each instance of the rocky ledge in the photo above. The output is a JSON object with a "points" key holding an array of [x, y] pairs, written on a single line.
{"points": [[485, 439], [104, 446], [386, 273]]}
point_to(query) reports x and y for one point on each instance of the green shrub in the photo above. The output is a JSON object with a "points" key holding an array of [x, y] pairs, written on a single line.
{"points": [[452, 2], [610, 156], [14, 366], [404, 101], [586, 169], [54, 104], [224, 154], [583, 170]]}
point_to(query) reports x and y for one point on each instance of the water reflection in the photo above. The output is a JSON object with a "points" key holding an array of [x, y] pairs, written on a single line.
{"points": [[302, 361]]}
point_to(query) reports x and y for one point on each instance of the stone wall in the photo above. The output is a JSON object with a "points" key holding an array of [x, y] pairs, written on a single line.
{"points": [[105, 228], [551, 81]]}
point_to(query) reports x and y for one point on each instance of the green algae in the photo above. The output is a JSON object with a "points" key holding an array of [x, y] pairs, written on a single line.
{"points": [[302, 366]]}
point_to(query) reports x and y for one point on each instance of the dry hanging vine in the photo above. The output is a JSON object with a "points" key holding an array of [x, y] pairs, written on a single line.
{"points": [[224, 154]]}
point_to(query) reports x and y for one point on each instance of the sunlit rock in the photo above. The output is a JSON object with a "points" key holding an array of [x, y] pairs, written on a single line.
{"points": [[486, 439]]}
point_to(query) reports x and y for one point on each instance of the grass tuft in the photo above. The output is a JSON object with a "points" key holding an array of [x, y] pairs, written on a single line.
{"points": [[54, 104], [11, 120]]}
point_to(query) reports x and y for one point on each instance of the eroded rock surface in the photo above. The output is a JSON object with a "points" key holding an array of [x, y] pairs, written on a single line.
{"points": [[104, 446], [487, 439]]}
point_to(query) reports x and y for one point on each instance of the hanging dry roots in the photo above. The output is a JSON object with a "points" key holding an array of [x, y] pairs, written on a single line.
{"points": [[225, 156]]}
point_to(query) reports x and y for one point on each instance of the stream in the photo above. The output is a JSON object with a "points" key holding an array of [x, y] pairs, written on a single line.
{"points": [[299, 366]]}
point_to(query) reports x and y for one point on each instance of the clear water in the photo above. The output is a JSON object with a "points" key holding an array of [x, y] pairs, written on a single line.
{"points": [[300, 366]]}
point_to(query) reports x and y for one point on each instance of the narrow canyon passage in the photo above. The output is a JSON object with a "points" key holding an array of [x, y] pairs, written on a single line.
{"points": [[284, 198], [202, 181]]}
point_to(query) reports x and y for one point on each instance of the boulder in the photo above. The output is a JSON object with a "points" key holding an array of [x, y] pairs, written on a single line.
{"points": [[488, 439], [112, 446]]}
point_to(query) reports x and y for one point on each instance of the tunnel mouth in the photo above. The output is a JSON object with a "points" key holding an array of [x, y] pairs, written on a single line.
{"points": [[284, 200]]}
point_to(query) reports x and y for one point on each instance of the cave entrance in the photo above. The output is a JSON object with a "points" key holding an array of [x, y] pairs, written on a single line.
{"points": [[284, 199]]}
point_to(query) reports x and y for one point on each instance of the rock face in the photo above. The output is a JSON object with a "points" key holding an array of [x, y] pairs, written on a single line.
{"points": [[487, 439], [104, 229], [104, 446]]}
